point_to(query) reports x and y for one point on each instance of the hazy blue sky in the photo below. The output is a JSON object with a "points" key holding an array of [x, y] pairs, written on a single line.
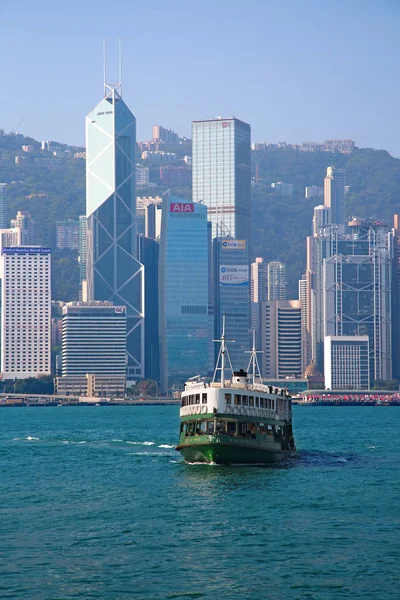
{"points": [[296, 70]]}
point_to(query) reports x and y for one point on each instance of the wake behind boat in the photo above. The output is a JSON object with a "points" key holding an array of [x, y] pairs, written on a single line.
{"points": [[240, 420]]}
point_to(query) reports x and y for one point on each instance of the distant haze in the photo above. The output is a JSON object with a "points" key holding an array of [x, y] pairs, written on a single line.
{"points": [[296, 71]]}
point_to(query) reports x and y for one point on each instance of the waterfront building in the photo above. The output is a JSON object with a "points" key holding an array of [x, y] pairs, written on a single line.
{"points": [[396, 296], [334, 194], [282, 341], [91, 386], [222, 174], [346, 362], [93, 339], [232, 296], [357, 277], [183, 291], [67, 235], [276, 281], [149, 250], [3, 205], [24, 222], [82, 247], [349, 285], [113, 271], [25, 312]]}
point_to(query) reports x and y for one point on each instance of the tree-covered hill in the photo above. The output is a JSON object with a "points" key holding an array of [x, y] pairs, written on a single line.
{"points": [[280, 224]]}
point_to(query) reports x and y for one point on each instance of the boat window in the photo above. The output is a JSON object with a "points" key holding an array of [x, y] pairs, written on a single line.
{"points": [[190, 399], [245, 401], [231, 428], [257, 402], [269, 429], [273, 404], [221, 426], [197, 398], [204, 401], [238, 400], [262, 402], [209, 427], [251, 400], [228, 398]]}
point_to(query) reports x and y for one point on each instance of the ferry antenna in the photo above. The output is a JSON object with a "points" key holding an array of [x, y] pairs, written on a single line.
{"points": [[222, 355], [253, 362]]}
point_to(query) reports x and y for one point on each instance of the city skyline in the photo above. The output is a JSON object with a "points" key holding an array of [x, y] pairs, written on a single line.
{"points": [[298, 70]]}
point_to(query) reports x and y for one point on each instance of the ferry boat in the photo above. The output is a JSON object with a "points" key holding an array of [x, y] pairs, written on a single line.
{"points": [[235, 421]]}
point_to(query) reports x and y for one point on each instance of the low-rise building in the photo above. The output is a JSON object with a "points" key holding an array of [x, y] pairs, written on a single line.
{"points": [[346, 362]]}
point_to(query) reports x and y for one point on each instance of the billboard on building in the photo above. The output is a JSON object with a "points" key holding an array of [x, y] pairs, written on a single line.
{"points": [[234, 275], [234, 244]]}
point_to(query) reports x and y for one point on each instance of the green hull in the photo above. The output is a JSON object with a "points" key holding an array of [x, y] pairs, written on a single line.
{"points": [[216, 451]]}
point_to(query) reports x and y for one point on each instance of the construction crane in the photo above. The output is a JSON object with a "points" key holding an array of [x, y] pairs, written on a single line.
{"points": [[14, 130]]}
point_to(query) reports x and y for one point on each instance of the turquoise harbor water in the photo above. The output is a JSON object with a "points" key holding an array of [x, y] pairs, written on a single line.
{"points": [[95, 503]]}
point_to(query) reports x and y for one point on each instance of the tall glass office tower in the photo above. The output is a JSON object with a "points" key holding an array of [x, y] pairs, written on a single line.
{"points": [[222, 174], [183, 291], [113, 271]]}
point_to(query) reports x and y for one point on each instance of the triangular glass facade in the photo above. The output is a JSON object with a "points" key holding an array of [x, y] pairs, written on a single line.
{"points": [[113, 271]]}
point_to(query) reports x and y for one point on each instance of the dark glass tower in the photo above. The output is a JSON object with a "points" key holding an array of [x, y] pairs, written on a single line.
{"points": [[113, 271]]}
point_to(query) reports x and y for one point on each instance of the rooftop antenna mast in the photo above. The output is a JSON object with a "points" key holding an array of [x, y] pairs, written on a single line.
{"points": [[120, 66], [110, 87], [253, 362], [222, 356]]}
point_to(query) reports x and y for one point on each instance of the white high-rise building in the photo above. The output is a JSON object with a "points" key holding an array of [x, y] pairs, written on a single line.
{"points": [[321, 218], [282, 339], [276, 278], [259, 288], [25, 312]]}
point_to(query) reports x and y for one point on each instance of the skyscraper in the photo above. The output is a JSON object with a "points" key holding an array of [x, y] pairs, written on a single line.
{"points": [[396, 296], [113, 272], [259, 287], [282, 339], [357, 283], [183, 291], [334, 194], [321, 218], [232, 297], [25, 312], [82, 246], [149, 250], [276, 281], [3, 205], [222, 174]]}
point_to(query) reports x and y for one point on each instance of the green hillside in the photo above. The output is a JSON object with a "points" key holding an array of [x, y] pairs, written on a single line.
{"points": [[280, 224]]}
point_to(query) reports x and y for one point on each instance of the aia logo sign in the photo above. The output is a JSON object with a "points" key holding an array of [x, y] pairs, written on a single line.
{"points": [[181, 207], [226, 124]]}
